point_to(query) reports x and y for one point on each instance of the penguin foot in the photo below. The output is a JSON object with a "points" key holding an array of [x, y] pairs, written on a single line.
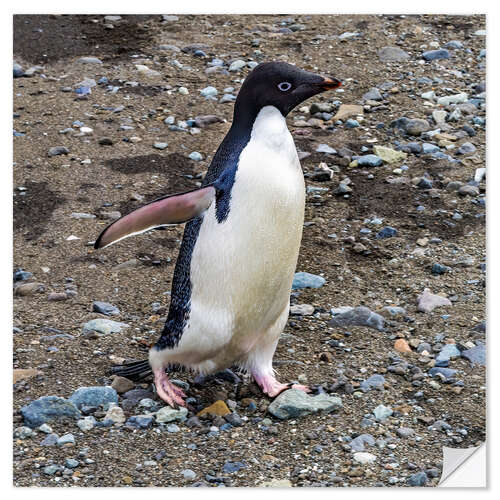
{"points": [[170, 393], [273, 388]]}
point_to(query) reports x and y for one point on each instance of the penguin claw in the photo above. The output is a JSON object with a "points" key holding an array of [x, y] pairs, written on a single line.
{"points": [[168, 392], [273, 388]]}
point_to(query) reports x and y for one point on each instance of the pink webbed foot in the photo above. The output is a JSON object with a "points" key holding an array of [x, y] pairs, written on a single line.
{"points": [[273, 388], [170, 393]]}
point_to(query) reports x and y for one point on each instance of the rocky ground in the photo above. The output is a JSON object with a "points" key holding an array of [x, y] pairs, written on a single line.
{"points": [[388, 326]]}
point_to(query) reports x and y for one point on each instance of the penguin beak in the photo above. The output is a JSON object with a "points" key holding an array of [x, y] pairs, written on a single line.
{"points": [[330, 84]]}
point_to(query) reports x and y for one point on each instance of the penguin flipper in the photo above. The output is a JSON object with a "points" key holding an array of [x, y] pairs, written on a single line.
{"points": [[172, 209]]}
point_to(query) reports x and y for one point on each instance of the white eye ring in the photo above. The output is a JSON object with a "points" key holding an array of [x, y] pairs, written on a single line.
{"points": [[284, 86]]}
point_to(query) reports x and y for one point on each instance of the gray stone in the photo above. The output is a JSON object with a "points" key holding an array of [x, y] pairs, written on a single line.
{"points": [[373, 94], [237, 65], [50, 440], [405, 432], [58, 150], [417, 126], [105, 308], [66, 439], [104, 326], [87, 423], [359, 442], [388, 54], [188, 474], [374, 382], [359, 316], [427, 301], [48, 408], [476, 355], [168, 414], [325, 148], [418, 479], [295, 403], [382, 412], [89, 60], [307, 280], [94, 396], [432, 55], [369, 160], [363, 457]]}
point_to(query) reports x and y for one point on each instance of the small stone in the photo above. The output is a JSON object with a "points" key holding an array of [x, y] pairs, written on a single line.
{"points": [[358, 443], [72, 463], [25, 289], [391, 54], [116, 414], [25, 374], [122, 384], [140, 421], [295, 403], [57, 296], [86, 423], [325, 148], [359, 316], [382, 412], [48, 408], [386, 232], [167, 414], [347, 110], [301, 310], [374, 382], [104, 326], [418, 479], [218, 408], [50, 440], [67, 439], [209, 92], [364, 457], [369, 160], [105, 308], [106, 141], [230, 467], [389, 155], [237, 65], [432, 55], [188, 474], [195, 156], [276, 483], [89, 60], [402, 346], [23, 432], [427, 301], [373, 94], [452, 99], [476, 355], [58, 150], [405, 432], [417, 126], [466, 148], [160, 145], [94, 396], [307, 280]]}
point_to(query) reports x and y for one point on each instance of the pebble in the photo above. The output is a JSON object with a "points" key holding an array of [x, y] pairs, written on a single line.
{"points": [[58, 150], [140, 421], [432, 55], [48, 408], [160, 145], [188, 474], [401, 345], [476, 355], [382, 412], [94, 396], [392, 54], [230, 467], [427, 301], [50, 440], [301, 310], [447, 373], [325, 148], [370, 160], [72, 463], [307, 280], [89, 60], [104, 326], [374, 382], [218, 408], [359, 316], [172, 428], [116, 414], [195, 156], [364, 457], [417, 126], [86, 423], [405, 432], [122, 384], [389, 155], [67, 439], [466, 148], [209, 92], [295, 403], [452, 99], [386, 232], [167, 414], [105, 308], [347, 110], [358, 443], [418, 479], [237, 65]]}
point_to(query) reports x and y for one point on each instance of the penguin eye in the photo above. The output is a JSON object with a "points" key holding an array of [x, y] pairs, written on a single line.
{"points": [[284, 86]]}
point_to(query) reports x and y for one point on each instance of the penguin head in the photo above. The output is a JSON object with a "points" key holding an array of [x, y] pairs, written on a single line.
{"points": [[281, 85]]}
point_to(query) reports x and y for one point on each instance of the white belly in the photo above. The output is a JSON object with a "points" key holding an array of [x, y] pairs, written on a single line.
{"points": [[242, 269]]}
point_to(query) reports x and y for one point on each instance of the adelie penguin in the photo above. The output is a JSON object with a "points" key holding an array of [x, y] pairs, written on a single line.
{"points": [[231, 287]]}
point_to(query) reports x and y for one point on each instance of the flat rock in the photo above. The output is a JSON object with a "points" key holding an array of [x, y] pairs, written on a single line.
{"points": [[218, 408], [347, 110], [301, 310], [427, 301], [48, 408], [105, 308], [374, 382], [307, 280], [389, 54], [389, 155], [104, 326], [295, 403], [359, 316], [476, 355], [122, 384], [167, 414], [94, 396], [363, 457], [25, 374]]}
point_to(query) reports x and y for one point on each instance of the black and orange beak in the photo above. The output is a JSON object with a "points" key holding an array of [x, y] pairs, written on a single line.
{"points": [[330, 83]]}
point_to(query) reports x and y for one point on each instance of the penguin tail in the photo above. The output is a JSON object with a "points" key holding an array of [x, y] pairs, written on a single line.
{"points": [[137, 370]]}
